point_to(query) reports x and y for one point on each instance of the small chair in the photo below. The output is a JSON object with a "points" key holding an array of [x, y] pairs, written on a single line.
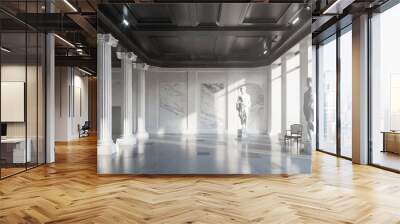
{"points": [[295, 132], [84, 130]]}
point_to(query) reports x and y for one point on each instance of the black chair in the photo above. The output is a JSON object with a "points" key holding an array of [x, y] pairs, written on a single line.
{"points": [[84, 130], [295, 132]]}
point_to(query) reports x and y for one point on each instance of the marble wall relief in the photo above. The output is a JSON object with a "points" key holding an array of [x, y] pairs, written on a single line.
{"points": [[212, 105]]}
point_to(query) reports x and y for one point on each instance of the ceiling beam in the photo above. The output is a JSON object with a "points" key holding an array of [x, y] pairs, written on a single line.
{"points": [[264, 28]]}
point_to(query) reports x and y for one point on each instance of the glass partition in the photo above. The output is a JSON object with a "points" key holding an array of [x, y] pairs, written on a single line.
{"points": [[327, 96], [22, 89], [385, 89]]}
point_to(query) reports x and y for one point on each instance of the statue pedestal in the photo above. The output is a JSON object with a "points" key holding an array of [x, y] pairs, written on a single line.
{"points": [[239, 133]]}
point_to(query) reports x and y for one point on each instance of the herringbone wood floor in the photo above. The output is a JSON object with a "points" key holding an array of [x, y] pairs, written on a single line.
{"points": [[70, 191]]}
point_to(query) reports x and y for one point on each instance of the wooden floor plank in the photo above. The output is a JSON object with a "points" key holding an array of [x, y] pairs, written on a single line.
{"points": [[70, 191]]}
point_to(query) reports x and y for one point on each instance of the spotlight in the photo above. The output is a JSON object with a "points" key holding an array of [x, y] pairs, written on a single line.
{"points": [[5, 50], [296, 20], [265, 51], [125, 22]]}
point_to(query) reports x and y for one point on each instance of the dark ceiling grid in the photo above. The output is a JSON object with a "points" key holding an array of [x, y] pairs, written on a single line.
{"points": [[206, 34]]}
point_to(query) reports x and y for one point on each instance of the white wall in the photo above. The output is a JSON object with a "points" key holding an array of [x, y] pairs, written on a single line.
{"points": [[71, 102], [202, 100]]}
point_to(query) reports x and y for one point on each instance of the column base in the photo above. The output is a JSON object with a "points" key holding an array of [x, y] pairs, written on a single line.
{"points": [[106, 148], [128, 140], [142, 135]]}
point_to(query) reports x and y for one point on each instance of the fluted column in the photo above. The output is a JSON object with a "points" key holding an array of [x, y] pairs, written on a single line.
{"points": [[141, 132], [127, 60], [50, 92], [105, 145]]}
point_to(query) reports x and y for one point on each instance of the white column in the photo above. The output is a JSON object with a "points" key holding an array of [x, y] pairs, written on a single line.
{"points": [[50, 99], [141, 132], [304, 44], [50, 92], [360, 90], [268, 99], [105, 145], [283, 96], [127, 60]]}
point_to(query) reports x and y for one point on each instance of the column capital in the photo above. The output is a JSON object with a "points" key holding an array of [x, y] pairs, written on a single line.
{"points": [[142, 66], [130, 56], [108, 39]]}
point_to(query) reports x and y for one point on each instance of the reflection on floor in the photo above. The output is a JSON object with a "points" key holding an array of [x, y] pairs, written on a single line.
{"points": [[11, 169], [70, 191], [207, 154], [387, 159], [8, 171]]}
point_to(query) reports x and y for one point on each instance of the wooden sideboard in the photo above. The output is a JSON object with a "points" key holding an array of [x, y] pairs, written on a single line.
{"points": [[391, 141]]}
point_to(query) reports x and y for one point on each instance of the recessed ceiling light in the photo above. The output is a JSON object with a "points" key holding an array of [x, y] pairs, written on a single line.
{"points": [[125, 22], [70, 5], [5, 50], [296, 20]]}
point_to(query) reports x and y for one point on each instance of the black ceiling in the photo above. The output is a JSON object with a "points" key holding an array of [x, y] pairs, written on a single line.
{"points": [[206, 34]]}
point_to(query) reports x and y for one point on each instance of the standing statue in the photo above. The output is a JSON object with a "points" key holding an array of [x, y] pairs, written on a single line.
{"points": [[308, 108], [243, 104]]}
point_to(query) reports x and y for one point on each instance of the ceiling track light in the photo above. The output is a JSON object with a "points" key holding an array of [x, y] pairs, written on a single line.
{"points": [[84, 71], [70, 5], [64, 40], [5, 50]]}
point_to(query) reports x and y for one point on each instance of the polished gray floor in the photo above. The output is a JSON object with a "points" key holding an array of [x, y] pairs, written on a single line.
{"points": [[207, 154]]}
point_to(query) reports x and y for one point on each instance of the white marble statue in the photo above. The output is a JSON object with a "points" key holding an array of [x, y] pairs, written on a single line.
{"points": [[243, 105], [308, 108]]}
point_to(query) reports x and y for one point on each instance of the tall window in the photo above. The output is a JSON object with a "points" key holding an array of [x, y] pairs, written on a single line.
{"points": [[385, 88], [276, 99], [293, 90], [346, 93], [327, 96]]}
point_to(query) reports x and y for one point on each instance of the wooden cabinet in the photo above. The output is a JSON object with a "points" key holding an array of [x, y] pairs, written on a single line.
{"points": [[391, 142]]}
